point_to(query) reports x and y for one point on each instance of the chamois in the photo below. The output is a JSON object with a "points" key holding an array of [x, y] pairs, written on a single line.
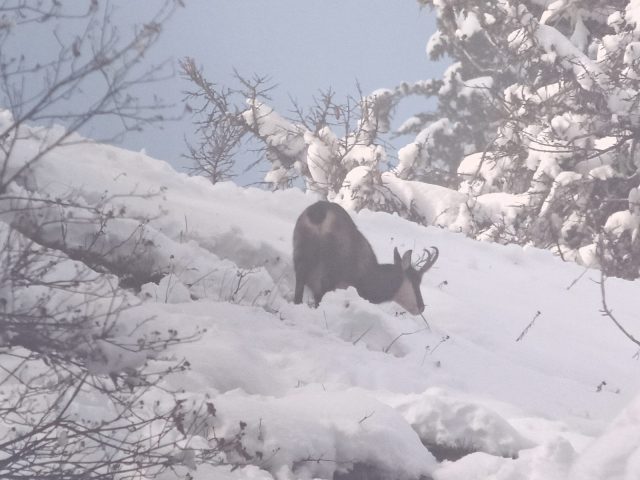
{"points": [[329, 252]]}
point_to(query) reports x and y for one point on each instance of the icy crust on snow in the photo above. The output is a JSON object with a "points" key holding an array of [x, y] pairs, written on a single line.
{"points": [[351, 384]]}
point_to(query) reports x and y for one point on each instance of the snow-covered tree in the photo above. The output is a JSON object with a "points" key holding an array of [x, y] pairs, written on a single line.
{"points": [[334, 148], [557, 88]]}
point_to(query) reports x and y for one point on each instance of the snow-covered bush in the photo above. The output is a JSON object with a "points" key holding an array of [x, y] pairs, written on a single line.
{"points": [[81, 368], [82, 362], [334, 149]]}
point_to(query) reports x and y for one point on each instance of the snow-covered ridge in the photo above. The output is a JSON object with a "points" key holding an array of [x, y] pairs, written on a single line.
{"points": [[352, 385]]}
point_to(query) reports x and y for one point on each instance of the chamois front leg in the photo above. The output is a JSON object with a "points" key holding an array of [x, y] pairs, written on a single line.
{"points": [[317, 298]]}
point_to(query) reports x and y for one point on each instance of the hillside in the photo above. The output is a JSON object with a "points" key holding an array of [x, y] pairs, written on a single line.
{"points": [[351, 386]]}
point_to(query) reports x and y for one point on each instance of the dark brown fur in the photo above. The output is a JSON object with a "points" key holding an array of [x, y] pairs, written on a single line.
{"points": [[329, 252]]}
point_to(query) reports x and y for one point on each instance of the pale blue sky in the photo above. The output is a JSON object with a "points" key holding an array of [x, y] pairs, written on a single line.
{"points": [[302, 45]]}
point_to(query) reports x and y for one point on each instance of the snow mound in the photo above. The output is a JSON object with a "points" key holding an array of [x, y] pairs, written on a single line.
{"points": [[445, 422], [313, 433]]}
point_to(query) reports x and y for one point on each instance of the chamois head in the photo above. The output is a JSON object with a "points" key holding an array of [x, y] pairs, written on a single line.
{"points": [[408, 295]]}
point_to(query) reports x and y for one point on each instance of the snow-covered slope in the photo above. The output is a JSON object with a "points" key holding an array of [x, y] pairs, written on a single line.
{"points": [[352, 385]]}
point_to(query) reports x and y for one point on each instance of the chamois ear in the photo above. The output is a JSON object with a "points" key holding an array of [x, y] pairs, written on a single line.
{"points": [[406, 260], [396, 257]]}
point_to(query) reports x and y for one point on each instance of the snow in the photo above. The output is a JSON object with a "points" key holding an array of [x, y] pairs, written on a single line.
{"points": [[616, 20], [440, 125], [476, 86], [354, 385], [319, 154], [478, 171], [631, 53], [278, 131], [604, 172], [622, 221], [438, 205], [631, 14], [318, 433], [634, 200], [435, 42], [409, 124], [552, 11], [580, 36], [407, 158], [548, 462], [356, 187], [441, 419], [468, 25], [551, 40], [616, 454], [450, 75]]}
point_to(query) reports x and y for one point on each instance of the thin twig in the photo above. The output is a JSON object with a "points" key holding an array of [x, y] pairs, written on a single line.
{"points": [[386, 350], [528, 327], [607, 312], [367, 416], [363, 333], [578, 278]]}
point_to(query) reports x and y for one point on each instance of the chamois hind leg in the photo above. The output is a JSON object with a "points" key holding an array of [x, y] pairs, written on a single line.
{"points": [[301, 280], [297, 298], [302, 269], [329, 280]]}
